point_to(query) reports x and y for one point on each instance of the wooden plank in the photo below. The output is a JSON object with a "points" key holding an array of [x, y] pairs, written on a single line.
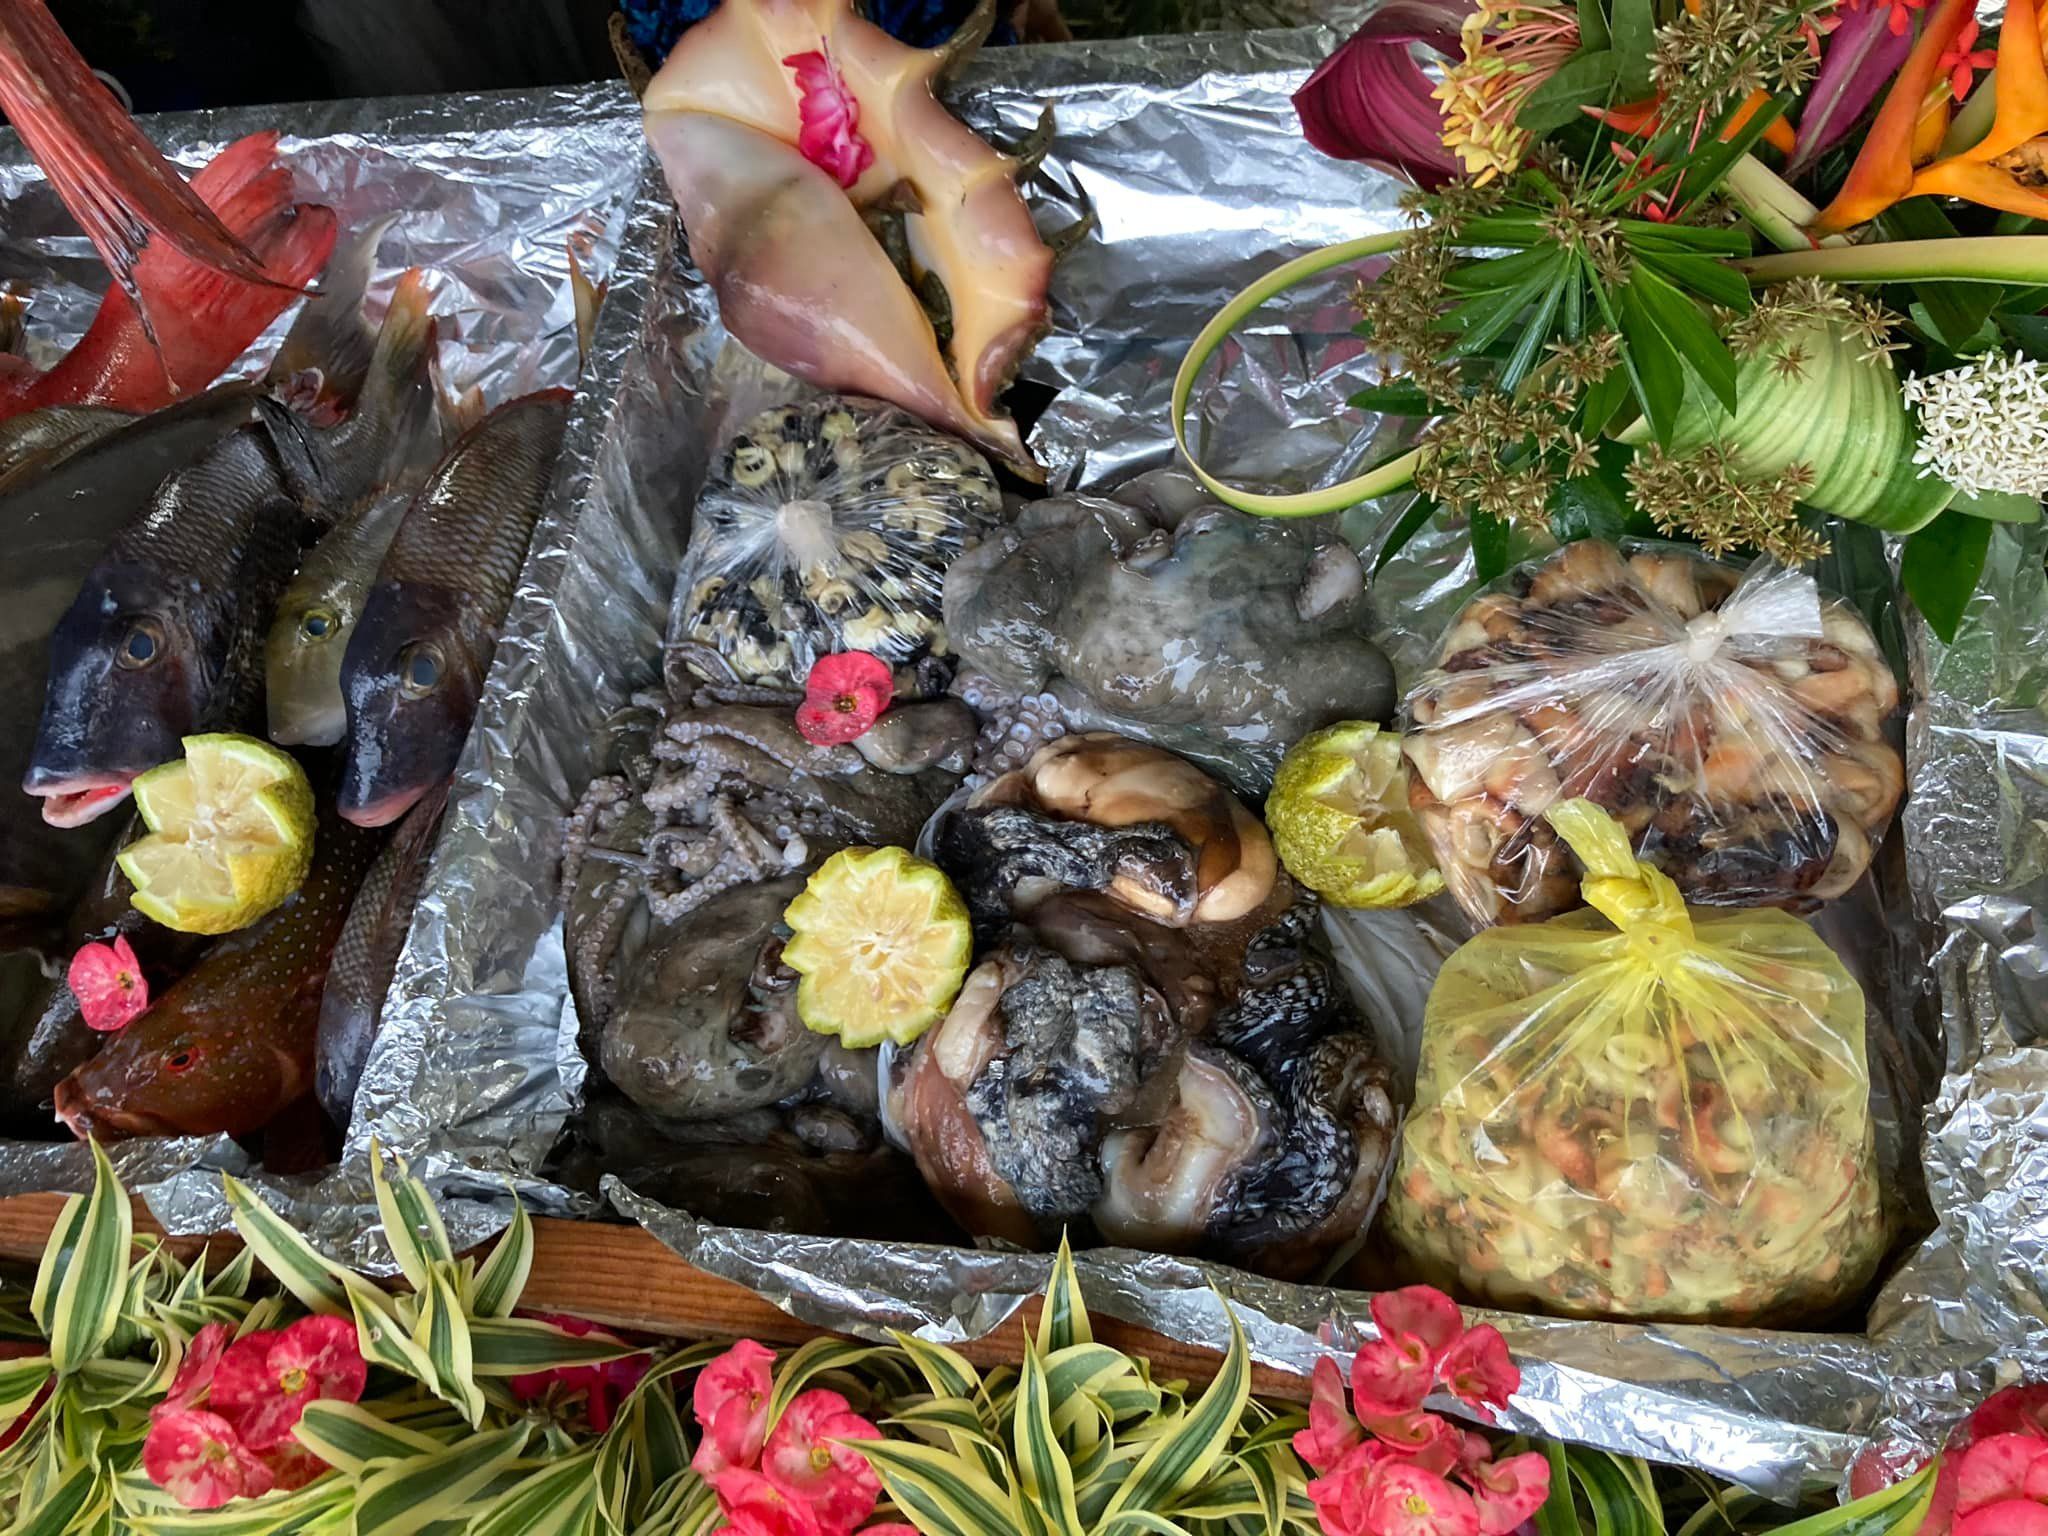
{"points": [[624, 1277]]}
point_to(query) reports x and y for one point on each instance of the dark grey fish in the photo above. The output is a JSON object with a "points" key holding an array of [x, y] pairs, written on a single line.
{"points": [[37, 441], [416, 663], [351, 1009], [165, 636]]}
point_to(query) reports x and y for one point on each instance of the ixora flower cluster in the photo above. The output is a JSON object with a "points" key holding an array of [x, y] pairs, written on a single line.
{"points": [[225, 1429], [1390, 1467], [798, 1475]]}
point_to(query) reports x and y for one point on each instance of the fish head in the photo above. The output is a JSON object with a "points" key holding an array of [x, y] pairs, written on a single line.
{"points": [[411, 679], [129, 674], [188, 1079], [302, 665]]}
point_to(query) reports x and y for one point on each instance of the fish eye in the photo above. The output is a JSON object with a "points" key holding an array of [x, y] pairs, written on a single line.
{"points": [[180, 1060], [419, 670], [141, 645], [317, 624]]}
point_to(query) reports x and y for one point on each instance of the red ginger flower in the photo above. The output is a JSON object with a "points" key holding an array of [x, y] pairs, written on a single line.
{"points": [[265, 1380], [108, 982], [845, 694]]}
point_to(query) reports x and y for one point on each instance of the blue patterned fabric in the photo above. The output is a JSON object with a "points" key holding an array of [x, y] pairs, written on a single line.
{"points": [[654, 25]]}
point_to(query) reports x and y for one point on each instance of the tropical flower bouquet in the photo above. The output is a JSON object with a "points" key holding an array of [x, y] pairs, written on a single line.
{"points": [[1757, 274]]}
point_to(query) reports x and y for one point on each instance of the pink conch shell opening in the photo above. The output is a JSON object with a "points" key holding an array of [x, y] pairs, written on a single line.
{"points": [[771, 112]]}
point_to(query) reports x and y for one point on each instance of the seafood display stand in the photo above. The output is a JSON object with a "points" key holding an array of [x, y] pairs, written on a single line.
{"points": [[1186, 152]]}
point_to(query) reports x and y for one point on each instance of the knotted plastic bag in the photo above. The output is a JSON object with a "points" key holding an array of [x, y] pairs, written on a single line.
{"points": [[827, 525], [1733, 722], [1645, 1110]]}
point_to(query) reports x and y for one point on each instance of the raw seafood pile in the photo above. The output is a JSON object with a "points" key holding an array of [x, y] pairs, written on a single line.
{"points": [[827, 526], [1734, 724], [1646, 1110]]}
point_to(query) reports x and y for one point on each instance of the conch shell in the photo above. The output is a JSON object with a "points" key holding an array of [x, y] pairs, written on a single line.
{"points": [[779, 124]]}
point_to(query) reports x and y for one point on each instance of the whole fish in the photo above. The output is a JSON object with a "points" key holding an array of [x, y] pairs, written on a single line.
{"points": [[38, 441], [352, 1007], [322, 361], [415, 665], [165, 636], [48, 1038], [315, 617], [57, 527], [230, 1045]]}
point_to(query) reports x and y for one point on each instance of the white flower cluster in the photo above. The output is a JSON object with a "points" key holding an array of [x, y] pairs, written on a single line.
{"points": [[1984, 426]]}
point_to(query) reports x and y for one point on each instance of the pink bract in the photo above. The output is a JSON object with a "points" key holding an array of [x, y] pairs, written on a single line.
{"points": [[1405, 1500], [195, 1371], [108, 982], [1508, 1492], [198, 1459], [1420, 1317], [2014, 1517], [1429, 1440], [731, 1403], [1998, 1468], [1387, 1380], [754, 1506], [265, 1380], [1332, 1430], [844, 695], [803, 1461], [1479, 1370], [829, 137]]}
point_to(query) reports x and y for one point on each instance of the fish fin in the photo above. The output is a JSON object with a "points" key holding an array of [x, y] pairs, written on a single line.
{"points": [[125, 195], [397, 401], [458, 412], [321, 364], [588, 298]]}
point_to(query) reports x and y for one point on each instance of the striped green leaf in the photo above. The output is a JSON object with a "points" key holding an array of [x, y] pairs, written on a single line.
{"points": [[946, 1373], [1043, 1474], [232, 1281], [319, 1507], [1141, 1520], [500, 1282], [1273, 1470], [412, 1225], [520, 1346], [443, 1332], [410, 1495], [83, 1280], [660, 1450], [1280, 1429], [385, 1336], [20, 1381], [1179, 1459], [1616, 1499], [953, 1415], [350, 1437], [558, 1500], [266, 1313], [67, 1503], [808, 1363], [944, 1494], [1064, 1319], [319, 1284]]}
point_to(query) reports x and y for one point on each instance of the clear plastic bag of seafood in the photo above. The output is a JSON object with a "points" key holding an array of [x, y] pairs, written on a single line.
{"points": [[1646, 1110], [827, 525], [1733, 722]]}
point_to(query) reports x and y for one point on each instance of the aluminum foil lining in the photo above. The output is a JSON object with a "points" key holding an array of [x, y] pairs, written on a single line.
{"points": [[489, 191]]}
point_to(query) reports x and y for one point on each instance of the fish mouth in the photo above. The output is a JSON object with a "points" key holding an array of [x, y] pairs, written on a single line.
{"points": [[74, 802], [384, 810], [308, 728]]}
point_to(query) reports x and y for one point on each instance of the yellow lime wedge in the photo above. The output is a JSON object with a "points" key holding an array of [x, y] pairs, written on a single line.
{"points": [[882, 942], [1340, 819]]}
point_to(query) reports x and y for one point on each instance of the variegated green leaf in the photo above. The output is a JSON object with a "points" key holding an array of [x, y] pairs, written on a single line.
{"points": [[83, 1281], [1064, 1319], [232, 1282], [65, 1503], [948, 1374], [1280, 1429], [443, 1332], [519, 1346], [319, 1283], [1179, 1459], [20, 1381], [1141, 1520], [499, 1283], [1273, 1470], [556, 1501], [659, 1449], [385, 1337], [950, 1414], [412, 1225], [410, 1495], [1042, 1470], [808, 1363], [350, 1437], [266, 1313], [319, 1507], [944, 1494]]}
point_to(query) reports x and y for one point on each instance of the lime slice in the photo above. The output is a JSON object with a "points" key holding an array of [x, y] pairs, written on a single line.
{"points": [[230, 835], [1340, 819], [882, 942]]}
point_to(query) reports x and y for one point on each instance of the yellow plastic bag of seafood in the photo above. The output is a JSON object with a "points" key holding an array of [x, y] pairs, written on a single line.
{"points": [[1646, 1110]]}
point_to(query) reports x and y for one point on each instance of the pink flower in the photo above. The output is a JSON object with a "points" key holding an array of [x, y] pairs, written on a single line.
{"points": [[1392, 1375], [845, 693], [731, 1402], [265, 1379], [198, 1459], [1405, 1500], [108, 982], [1479, 1370], [2001, 1467], [195, 1371], [1429, 1440], [2014, 1517], [753, 1506], [805, 1464], [1508, 1492], [828, 118], [291, 1466], [1331, 1429], [602, 1386], [890, 1528], [1341, 1493]]}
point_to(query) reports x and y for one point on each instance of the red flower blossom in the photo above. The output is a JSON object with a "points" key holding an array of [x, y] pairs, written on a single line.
{"points": [[1479, 1370], [1332, 1431], [1508, 1492], [291, 1466], [807, 1465], [1963, 59], [1391, 1376], [195, 1371], [753, 1506], [198, 1459], [602, 1386], [1429, 1440], [731, 1402], [265, 1379], [828, 119], [1407, 1501], [108, 982], [844, 695]]}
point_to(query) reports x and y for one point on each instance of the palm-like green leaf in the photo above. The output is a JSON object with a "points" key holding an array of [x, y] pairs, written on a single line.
{"points": [[318, 1282], [1063, 1321], [501, 1281], [412, 1223], [83, 1281], [1044, 1476], [1179, 1458], [944, 1494], [410, 1495]]}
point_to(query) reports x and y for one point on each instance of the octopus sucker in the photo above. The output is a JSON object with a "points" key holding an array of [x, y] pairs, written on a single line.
{"points": [[779, 123]]}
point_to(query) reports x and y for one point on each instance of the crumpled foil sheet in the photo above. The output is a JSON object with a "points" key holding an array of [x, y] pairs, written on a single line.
{"points": [[489, 190]]}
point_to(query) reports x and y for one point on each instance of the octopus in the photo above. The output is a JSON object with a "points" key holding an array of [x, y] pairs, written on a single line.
{"points": [[1152, 1048], [838, 211], [1164, 616]]}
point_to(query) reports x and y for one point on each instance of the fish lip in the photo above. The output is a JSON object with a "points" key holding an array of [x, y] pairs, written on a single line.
{"points": [[384, 810], [75, 801], [88, 1123], [313, 729]]}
